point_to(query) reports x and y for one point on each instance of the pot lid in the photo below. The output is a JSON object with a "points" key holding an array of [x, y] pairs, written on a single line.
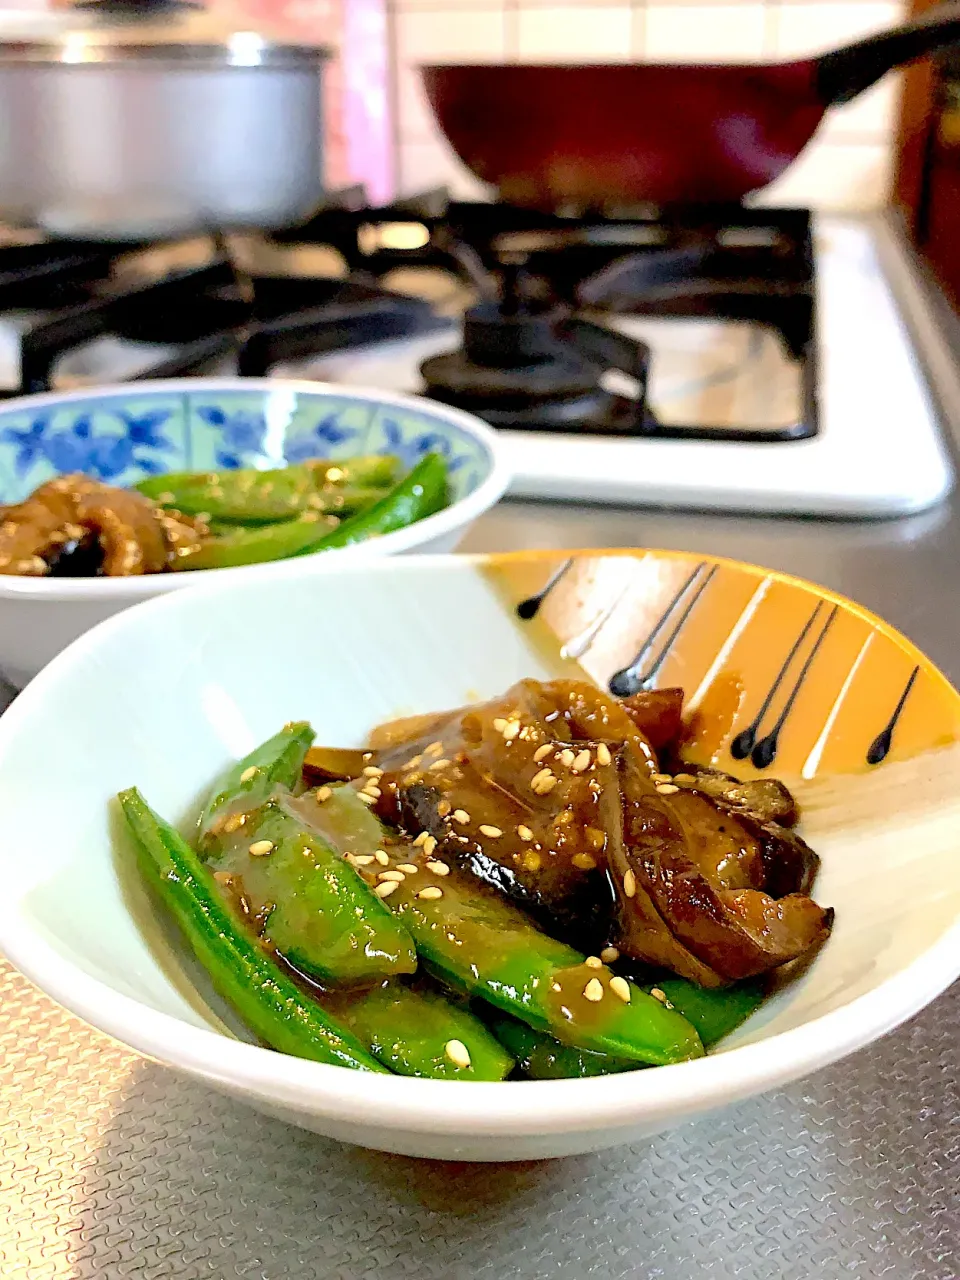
{"points": [[107, 31]]}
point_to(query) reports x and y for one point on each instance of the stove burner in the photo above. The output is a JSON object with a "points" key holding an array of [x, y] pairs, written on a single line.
{"points": [[546, 356], [524, 371]]}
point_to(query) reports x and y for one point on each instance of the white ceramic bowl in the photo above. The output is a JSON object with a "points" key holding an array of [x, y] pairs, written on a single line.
{"points": [[163, 695], [121, 434]]}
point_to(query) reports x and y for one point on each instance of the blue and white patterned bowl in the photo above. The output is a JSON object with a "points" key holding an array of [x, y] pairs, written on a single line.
{"points": [[121, 434]]}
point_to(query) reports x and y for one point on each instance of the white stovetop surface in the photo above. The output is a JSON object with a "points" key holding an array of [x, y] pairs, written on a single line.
{"points": [[879, 450]]}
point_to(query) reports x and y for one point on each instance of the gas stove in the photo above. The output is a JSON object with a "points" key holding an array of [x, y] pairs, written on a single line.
{"points": [[721, 357]]}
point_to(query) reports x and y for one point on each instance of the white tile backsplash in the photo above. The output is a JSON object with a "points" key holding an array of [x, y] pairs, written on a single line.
{"points": [[846, 166], [464, 34], [705, 33], [568, 33], [802, 29]]}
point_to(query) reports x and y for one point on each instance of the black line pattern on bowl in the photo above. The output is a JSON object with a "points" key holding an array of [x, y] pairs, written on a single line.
{"points": [[745, 741], [765, 752], [530, 607], [879, 748], [635, 677]]}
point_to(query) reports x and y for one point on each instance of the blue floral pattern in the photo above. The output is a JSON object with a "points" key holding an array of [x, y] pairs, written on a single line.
{"points": [[122, 436], [80, 446]]}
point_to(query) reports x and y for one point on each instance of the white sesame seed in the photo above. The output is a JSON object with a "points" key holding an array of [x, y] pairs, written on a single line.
{"points": [[366, 798], [442, 763], [566, 757], [431, 892], [412, 764], [603, 753], [361, 859], [659, 994], [524, 832], [582, 761], [439, 868], [461, 816], [385, 888], [486, 830], [609, 954], [620, 988], [555, 986], [458, 1053], [323, 793], [392, 875], [371, 790], [667, 789], [661, 777], [260, 848], [420, 839], [593, 991], [382, 857], [407, 868], [593, 962], [249, 773], [443, 808], [499, 724], [371, 771], [434, 749], [429, 845], [510, 730], [540, 777], [629, 883], [542, 752], [546, 784], [685, 778], [584, 861], [234, 822]]}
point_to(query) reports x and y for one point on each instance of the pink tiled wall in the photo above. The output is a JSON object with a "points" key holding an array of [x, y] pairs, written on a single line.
{"points": [[847, 166]]}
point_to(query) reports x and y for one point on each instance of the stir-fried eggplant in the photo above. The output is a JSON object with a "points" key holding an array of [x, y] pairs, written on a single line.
{"points": [[553, 795]]}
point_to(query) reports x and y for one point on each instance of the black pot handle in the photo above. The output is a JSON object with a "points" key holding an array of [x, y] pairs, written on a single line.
{"points": [[843, 74]]}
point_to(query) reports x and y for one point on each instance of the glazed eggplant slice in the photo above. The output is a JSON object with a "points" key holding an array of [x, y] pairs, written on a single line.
{"points": [[728, 889], [658, 714], [510, 795]]}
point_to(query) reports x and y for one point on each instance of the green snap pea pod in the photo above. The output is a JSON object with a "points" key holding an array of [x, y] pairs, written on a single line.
{"points": [[315, 910], [418, 495], [717, 1011], [245, 976], [481, 944], [336, 500], [248, 495], [541, 1057], [416, 1032], [248, 782]]}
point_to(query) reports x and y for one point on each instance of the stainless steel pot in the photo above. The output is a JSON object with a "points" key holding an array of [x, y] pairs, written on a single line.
{"points": [[143, 119]]}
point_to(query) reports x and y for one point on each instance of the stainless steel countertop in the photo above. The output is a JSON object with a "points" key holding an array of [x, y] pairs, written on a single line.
{"points": [[112, 1167]]}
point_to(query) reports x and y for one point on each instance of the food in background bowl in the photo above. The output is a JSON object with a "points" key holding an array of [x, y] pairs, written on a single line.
{"points": [[75, 527], [528, 855], [146, 433]]}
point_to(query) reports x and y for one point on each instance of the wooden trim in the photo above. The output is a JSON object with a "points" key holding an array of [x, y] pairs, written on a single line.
{"points": [[914, 134]]}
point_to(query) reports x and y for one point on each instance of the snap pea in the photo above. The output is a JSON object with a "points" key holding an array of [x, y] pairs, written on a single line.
{"points": [[714, 1011], [416, 1032], [421, 493], [248, 782], [541, 1057], [418, 495], [255, 497], [483, 945], [241, 971], [315, 910]]}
